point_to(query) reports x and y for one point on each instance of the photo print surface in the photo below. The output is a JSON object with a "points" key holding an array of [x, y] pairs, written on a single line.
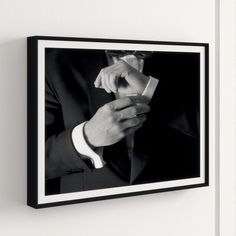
{"points": [[118, 118]]}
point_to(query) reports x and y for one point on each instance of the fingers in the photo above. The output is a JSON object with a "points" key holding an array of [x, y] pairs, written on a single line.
{"points": [[107, 81], [121, 103], [104, 83], [139, 99], [134, 111], [98, 82], [108, 77], [113, 83], [128, 101], [133, 122], [103, 77], [110, 81]]}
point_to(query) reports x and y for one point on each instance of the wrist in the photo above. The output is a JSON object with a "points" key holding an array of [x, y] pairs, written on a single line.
{"points": [[87, 136]]}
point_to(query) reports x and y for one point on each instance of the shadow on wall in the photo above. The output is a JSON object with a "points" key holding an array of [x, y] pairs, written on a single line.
{"points": [[13, 121]]}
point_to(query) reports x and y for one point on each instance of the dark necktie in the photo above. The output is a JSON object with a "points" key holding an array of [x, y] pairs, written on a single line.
{"points": [[123, 157]]}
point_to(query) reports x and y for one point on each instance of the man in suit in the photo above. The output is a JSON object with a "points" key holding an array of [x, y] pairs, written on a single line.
{"points": [[125, 139]]}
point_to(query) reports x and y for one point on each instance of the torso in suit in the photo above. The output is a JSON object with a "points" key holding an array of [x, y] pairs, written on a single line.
{"points": [[167, 145]]}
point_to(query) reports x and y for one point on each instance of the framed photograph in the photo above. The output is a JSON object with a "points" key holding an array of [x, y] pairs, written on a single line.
{"points": [[113, 118]]}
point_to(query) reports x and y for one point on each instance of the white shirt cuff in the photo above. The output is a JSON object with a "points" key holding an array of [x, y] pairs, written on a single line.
{"points": [[150, 88], [84, 149]]}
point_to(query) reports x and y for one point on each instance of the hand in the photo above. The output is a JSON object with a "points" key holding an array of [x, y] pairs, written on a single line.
{"points": [[115, 120], [122, 78]]}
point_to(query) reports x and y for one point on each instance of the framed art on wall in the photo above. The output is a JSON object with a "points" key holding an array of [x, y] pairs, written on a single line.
{"points": [[111, 118]]}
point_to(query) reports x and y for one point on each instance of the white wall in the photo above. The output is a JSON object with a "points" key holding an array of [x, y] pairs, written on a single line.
{"points": [[227, 73], [179, 213]]}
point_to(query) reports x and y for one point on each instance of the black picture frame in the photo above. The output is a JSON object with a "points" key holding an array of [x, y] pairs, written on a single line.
{"points": [[35, 47]]}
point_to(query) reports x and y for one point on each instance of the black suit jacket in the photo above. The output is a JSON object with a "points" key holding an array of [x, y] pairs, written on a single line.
{"points": [[165, 148]]}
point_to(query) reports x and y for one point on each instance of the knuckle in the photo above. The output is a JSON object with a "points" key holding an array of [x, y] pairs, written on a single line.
{"points": [[135, 121], [103, 108], [148, 108], [119, 116], [117, 128], [133, 110], [113, 78], [114, 117], [121, 133], [102, 71], [111, 118], [128, 100], [100, 110], [108, 107]]}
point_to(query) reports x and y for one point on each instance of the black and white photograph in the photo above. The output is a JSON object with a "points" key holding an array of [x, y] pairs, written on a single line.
{"points": [[112, 118]]}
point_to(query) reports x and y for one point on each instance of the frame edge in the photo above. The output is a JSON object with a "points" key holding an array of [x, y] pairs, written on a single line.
{"points": [[32, 122]]}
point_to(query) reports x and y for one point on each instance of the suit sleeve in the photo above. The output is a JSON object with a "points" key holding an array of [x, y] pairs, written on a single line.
{"points": [[61, 156]]}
